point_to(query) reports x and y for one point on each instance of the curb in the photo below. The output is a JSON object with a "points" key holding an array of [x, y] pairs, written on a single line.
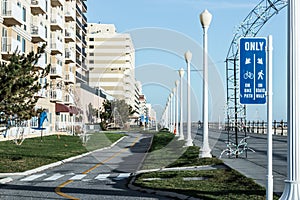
{"points": [[158, 192], [32, 171]]}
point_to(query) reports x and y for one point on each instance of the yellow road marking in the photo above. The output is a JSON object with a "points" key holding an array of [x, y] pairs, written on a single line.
{"points": [[58, 188]]}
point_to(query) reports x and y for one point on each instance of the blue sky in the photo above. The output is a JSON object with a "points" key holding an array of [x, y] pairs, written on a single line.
{"points": [[159, 56]]}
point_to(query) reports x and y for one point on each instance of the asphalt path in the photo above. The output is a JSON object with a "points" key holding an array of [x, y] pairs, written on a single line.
{"points": [[101, 175]]}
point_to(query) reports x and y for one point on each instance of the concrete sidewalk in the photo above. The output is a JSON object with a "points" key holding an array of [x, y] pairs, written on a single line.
{"points": [[255, 172], [254, 166]]}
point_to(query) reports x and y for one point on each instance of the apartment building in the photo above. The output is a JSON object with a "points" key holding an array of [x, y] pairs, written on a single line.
{"points": [[61, 24], [111, 60]]}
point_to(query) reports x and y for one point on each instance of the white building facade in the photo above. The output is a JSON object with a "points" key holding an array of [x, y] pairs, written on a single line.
{"points": [[111, 62]]}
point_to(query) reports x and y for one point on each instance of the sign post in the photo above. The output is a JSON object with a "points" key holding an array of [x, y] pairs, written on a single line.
{"points": [[255, 57]]}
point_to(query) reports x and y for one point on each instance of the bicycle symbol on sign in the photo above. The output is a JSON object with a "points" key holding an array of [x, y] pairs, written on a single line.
{"points": [[249, 75]]}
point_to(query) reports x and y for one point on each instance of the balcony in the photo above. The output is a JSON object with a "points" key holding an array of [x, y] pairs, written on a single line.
{"points": [[70, 78], [78, 49], [84, 30], [68, 99], [55, 3], [70, 56], [41, 94], [38, 7], [78, 35], [84, 7], [78, 10], [41, 64], [83, 52], [84, 42], [78, 62], [69, 35], [56, 46], [56, 71], [38, 33], [56, 95], [11, 13], [70, 13], [9, 46], [84, 18], [56, 21], [79, 24]]}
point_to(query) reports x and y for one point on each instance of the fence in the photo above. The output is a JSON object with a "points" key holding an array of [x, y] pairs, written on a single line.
{"points": [[260, 127]]}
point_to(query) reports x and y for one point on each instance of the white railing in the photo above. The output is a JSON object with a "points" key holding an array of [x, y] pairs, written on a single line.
{"points": [[10, 45], [11, 9]]}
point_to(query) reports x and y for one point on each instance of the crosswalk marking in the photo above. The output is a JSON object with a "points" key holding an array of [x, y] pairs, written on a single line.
{"points": [[102, 177], [32, 177], [122, 176], [78, 177], [54, 177]]}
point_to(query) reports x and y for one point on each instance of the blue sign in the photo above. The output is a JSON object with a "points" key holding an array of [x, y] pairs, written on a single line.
{"points": [[253, 73]]}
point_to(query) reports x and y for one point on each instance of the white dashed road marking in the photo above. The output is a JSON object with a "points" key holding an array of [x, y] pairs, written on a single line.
{"points": [[32, 177]]}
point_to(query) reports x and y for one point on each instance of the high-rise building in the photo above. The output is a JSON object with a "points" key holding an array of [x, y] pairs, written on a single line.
{"points": [[111, 62], [61, 24]]}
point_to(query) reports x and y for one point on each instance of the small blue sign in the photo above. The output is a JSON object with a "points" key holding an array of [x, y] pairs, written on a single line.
{"points": [[253, 73]]}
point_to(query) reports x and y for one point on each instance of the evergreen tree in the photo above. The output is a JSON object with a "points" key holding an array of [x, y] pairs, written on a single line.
{"points": [[19, 80]]}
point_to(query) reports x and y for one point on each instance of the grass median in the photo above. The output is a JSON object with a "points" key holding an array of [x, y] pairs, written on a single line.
{"points": [[221, 183], [34, 153]]}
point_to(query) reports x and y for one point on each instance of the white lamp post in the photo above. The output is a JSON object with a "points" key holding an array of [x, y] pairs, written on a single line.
{"points": [[181, 74], [188, 58], [205, 19], [173, 108], [167, 116], [171, 112], [176, 115], [292, 184]]}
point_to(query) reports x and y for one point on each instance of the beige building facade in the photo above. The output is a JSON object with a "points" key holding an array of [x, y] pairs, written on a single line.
{"points": [[61, 24], [111, 60]]}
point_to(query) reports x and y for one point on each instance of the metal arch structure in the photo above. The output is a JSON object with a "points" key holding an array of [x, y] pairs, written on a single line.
{"points": [[251, 25]]}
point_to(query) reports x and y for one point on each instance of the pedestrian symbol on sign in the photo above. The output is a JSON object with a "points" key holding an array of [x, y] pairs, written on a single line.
{"points": [[260, 75]]}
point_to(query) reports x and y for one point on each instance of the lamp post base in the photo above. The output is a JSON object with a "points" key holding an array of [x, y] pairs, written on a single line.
{"points": [[181, 137], [291, 190], [205, 153], [189, 143]]}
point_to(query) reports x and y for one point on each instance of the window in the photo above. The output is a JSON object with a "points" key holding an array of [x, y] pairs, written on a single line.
{"points": [[19, 38], [91, 46], [91, 39], [23, 45], [91, 61], [91, 54], [46, 59], [46, 31], [24, 14]]}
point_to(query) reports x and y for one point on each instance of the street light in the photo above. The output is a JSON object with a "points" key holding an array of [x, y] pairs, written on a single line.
{"points": [[176, 115], [181, 74], [174, 110], [292, 184], [188, 58], [171, 112], [205, 19]]}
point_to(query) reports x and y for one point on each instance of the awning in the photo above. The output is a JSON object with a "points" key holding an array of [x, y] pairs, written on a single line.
{"points": [[61, 108], [74, 110]]}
